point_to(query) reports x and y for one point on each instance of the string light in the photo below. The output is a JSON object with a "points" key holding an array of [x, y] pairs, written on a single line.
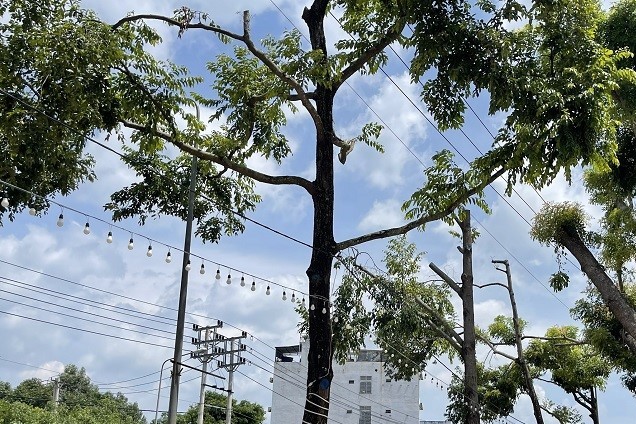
{"points": [[109, 237], [242, 281], [87, 228], [303, 302], [32, 211], [188, 266], [324, 310], [335, 319], [229, 279], [312, 307], [218, 274], [267, 292], [253, 288], [131, 244], [60, 220], [5, 202], [284, 295], [149, 251], [293, 298], [202, 269], [168, 257]]}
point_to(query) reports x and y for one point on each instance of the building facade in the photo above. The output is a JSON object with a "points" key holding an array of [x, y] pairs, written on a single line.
{"points": [[361, 393]]}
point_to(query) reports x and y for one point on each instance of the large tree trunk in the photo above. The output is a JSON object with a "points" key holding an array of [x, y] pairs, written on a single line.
{"points": [[468, 304], [320, 354], [612, 297]]}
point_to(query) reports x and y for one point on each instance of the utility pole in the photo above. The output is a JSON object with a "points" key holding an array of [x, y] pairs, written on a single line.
{"points": [[183, 295], [232, 360], [204, 356], [56, 391]]}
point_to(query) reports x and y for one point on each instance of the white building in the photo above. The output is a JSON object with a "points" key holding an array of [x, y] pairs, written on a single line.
{"points": [[361, 393]]}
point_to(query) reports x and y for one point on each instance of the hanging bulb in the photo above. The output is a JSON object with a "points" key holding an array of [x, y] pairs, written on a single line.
{"points": [[284, 295], [218, 274], [268, 291], [335, 319], [4, 202], [229, 279], [312, 307], [32, 211], [303, 302], [109, 237], [253, 286], [87, 229], [149, 251], [60, 220], [131, 245], [168, 257], [188, 266], [324, 310], [242, 281], [202, 269], [293, 298]]}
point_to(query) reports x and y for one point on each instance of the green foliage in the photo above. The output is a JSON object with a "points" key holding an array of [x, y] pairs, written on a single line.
{"points": [[559, 281], [384, 306], [33, 392], [557, 219], [243, 412], [498, 390], [606, 334], [502, 330]]}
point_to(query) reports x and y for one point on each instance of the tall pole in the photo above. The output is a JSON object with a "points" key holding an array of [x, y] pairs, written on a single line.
{"points": [[183, 295], [159, 390], [203, 375], [56, 391], [230, 381]]}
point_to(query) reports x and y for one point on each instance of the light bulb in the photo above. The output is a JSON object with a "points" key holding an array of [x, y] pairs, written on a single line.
{"points": [[109, 237], [284, 295], [218, 274], [324, 310], [168, 257], [242, 281], [202, 269], [60, 220], [188, 266], [268, 291], [312, 307], [149, 251], [131, 245], [87, 229], [293, 298], [4, 202], [303, 302], [253, 286], [229, 279], [33, 211], [335, 319]]}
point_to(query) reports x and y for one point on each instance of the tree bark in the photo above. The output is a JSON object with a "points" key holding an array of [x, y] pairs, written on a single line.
{"points": [[468, 311], [611, 295], [320, 353], [536, 405]]}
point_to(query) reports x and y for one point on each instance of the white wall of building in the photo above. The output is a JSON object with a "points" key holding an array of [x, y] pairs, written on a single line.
{"points": [[390, 401]]}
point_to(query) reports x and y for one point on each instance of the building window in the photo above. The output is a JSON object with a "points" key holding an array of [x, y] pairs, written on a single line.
{"points": [[365, 384], [351, 381], [365, 415], [388, 411], [349, 411]]}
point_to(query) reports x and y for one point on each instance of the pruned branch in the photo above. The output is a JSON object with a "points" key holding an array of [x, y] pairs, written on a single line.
{"points": [[482, 286], [241, 169], [450, 331], [396, 231], [496, 351], [453, 285]]}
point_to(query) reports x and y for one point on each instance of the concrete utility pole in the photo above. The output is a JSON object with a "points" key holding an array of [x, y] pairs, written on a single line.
{"points": [[183, 295], [203, 355], [56, 391]]}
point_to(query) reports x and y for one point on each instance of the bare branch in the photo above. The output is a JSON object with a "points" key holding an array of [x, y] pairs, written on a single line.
{"points": [[494, 349], [572, 342], [443, 333], [491, 284], [174, 22], [450, 330], [396, 231], [241, 169], [453, 285]]}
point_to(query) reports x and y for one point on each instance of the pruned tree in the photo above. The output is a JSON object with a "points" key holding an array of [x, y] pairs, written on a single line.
{"points": [[65, 74]]}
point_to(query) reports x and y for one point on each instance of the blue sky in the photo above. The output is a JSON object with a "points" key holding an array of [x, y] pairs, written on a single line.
{"points": [[369, 191]]}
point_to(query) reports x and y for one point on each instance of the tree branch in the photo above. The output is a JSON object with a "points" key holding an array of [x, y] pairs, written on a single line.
{"points": [[483, 286], [396, 231], [174, 22], [453, 285], [450, 333], [494, 349], [241, 169]]}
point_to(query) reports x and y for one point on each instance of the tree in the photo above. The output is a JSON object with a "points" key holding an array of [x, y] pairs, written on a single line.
{"points": [[33, 392], [5, 390], [243, 412], [89, 76]]}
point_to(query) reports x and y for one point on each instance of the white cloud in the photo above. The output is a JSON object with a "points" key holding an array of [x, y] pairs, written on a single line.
{"points": [[383, 214]]}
